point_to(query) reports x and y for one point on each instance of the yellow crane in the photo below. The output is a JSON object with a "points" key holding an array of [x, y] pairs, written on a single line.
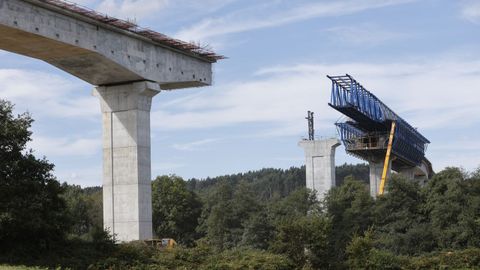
{"points": [[387, 160]]}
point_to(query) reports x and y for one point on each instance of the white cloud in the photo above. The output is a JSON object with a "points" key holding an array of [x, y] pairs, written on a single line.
{"points": [[85, 177], [46, 94], [437, 96], [61, 147], [132, 9], [362, 35], [431, 96], [277, 13], [195, 145], [275, 100], [470, 11]]}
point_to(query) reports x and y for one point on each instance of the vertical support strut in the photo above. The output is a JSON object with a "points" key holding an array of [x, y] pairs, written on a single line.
{"points": [[127, 192], [311, 130], [387, 160]]}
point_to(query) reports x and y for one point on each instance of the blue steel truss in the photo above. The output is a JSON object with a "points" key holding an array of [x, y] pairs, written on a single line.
{"points": [[371, 115], [349, 132]]}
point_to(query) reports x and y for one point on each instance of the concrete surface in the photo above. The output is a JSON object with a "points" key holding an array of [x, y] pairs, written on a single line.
{"points": [[320, 164], [129, 69], [92, 51], [419, 173], [127, 203], [376, 170]]}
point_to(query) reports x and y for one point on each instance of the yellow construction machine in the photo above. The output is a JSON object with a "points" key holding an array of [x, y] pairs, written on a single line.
{"points": [[164, 243]]}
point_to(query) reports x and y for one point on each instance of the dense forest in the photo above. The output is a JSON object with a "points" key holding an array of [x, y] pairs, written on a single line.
{"points": [[262, 219]]}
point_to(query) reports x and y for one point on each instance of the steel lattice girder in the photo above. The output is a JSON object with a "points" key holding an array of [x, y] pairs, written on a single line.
{"points": [[370, 115]]}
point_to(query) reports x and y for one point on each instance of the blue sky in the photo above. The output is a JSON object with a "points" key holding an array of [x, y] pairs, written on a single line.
{"points": [[422, 58]]}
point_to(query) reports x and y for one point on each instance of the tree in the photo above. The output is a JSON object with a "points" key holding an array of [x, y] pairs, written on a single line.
{"points": [[218, 217], [298, 204], [304, 240], [84, 208], [258, 231], [363, 255], [176, 210], [244, 205], [300, 229], [358, 172], [453, 205], [32, 213], [350, 208], [401, 222]]}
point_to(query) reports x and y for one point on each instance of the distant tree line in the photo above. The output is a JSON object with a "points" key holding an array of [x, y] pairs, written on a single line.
{"points": [[270, 183], [262, 219]]}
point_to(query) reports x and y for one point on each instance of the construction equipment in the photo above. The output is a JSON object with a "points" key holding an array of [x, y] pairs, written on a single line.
{"points": [[387, 160], [164, 243], [375, 133]]}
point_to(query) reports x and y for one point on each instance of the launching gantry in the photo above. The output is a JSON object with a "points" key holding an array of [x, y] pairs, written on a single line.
{"points": [[374, 133]]}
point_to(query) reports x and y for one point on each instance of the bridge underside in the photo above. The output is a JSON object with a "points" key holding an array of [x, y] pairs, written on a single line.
{"points": [[84, 64], [129, 65], [96, 52]]}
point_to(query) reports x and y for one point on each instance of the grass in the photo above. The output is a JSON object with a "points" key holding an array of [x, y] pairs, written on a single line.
{"points": [[6, 267]]}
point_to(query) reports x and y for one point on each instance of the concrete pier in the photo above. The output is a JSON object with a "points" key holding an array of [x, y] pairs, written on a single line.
{"points": [[376, 170], [420, 173], [320, 164], [129, 65], [127, 191]]}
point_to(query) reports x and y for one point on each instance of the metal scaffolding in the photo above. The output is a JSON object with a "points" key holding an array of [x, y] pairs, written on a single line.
{"points": [[370, 117]]}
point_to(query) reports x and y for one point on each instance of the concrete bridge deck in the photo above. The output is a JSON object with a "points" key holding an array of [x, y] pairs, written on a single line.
{"points": [[96, 52], [129, 66]]}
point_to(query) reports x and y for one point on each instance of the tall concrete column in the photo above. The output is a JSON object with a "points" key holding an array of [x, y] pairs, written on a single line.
{"points": [[127, 191], [320, 164], [376, 170]]}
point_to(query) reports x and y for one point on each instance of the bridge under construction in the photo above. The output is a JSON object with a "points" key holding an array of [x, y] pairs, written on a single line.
{"points": [[372, 132], [375, 133]]}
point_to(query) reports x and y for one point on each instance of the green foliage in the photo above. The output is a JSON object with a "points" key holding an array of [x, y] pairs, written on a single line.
{"points": [[304, 240], [351, 210], [361, 254], [297, 204], [84, 210], [22, 267], [247, 259], [358, 250], [257, 220], [219, 219], [401, 223], [176, 209], [134, 255], [32, 214], [301, 231], [227, 215], [258, 231], [268, 184], [201, 257], [359, 172], [453, 205], [459, 259]]}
